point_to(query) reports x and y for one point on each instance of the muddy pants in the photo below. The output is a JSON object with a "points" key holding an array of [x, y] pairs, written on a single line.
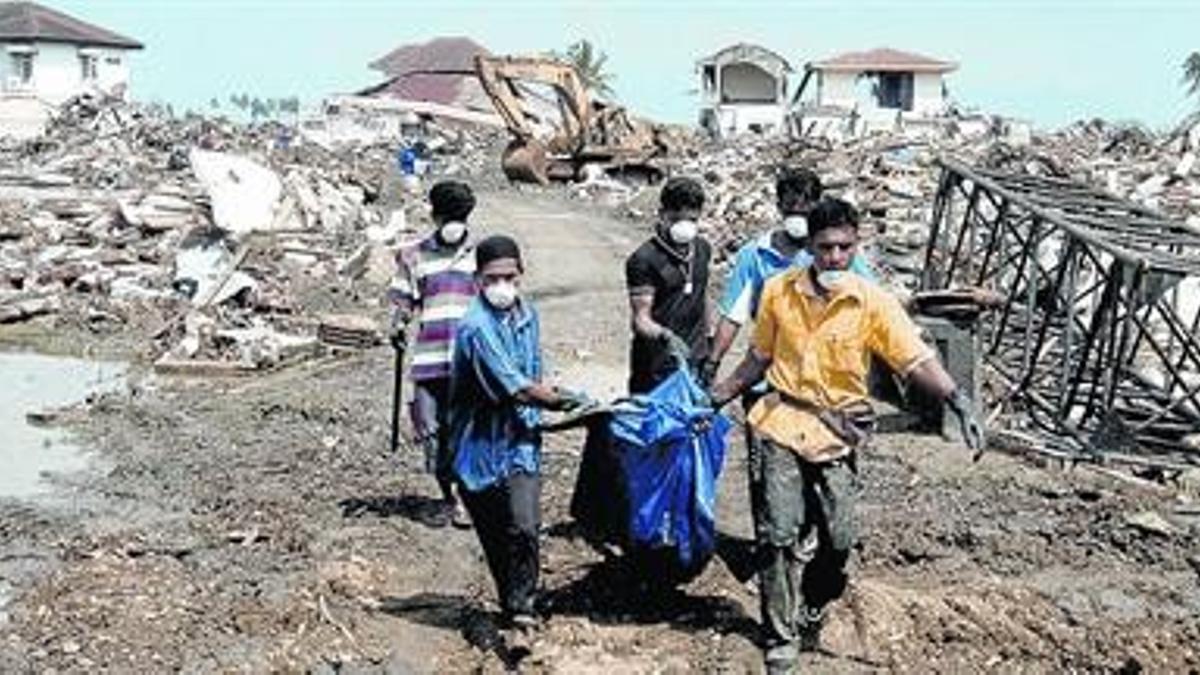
{"points": [[754, 468], [429, 413], [507, 517], [802, 497]]}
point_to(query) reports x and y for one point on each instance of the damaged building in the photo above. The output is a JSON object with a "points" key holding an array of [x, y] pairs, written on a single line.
{"points": [[430, 80], [49, 58], [883, 88], [743, 89]]}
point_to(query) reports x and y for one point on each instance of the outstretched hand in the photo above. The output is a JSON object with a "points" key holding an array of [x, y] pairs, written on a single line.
{"points": [[570, 400], [969, 424]]}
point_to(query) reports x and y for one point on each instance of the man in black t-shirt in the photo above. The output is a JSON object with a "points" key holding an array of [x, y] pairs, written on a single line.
{"points": [[667, 278]]}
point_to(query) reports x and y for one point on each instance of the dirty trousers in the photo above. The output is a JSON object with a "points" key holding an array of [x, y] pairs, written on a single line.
{"points": [[429, 413], [800, 497], [754, 467], [507, 517]]}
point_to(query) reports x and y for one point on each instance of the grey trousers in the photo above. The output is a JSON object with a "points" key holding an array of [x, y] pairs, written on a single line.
{"points": [[799, 498], [429, 412], [507, 516]]}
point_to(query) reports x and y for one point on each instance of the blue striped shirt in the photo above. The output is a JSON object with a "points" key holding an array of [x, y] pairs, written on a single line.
{"points": [[758, 261], [496, 355]]}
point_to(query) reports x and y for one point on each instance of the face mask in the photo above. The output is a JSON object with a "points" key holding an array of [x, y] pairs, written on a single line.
{"points": [[683, 231], [830, 280], [796, 226], [453, 232], [501, 295]]}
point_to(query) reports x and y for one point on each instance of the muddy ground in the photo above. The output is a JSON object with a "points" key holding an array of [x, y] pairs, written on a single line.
{"points": [[260, 524]]}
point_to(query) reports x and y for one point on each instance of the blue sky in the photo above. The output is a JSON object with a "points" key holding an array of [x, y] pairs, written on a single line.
{"points": [[1050, 62]]}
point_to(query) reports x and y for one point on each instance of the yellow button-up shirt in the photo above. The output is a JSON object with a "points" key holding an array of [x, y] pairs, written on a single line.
{"points": [[820, 353]]}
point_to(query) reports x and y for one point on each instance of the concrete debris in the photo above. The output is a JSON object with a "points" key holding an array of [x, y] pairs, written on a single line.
{"points": [[892, 177], [243, 193], [212, 236], [1150, 522], [348, 331]]}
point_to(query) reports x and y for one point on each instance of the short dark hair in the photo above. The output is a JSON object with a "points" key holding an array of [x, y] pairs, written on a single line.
{"points": [[452, 200], [682, 193], [496, 247], [795, 185], [831, 212]]}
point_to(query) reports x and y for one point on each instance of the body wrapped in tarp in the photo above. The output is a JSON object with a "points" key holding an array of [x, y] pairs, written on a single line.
{"points": [[648, 478]]}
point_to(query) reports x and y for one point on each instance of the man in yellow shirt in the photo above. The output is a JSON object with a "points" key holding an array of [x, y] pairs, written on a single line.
{"points": [[815, 332]]}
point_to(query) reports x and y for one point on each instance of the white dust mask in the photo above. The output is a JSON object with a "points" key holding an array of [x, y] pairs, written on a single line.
{"points": [[796, 226], [831, 280], [501, 295], [452, 232], [684, 231]]}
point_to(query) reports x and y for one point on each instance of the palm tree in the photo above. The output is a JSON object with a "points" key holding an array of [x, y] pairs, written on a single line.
{"points": [[1191, 73], [589, 64]]}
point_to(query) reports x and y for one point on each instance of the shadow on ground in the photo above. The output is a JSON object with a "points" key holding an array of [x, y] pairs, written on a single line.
{"points": [[480, 628], [612, 592], [427, 511]]}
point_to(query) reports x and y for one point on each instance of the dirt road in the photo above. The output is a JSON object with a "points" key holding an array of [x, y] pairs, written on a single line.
{"points": [[260, 525]]}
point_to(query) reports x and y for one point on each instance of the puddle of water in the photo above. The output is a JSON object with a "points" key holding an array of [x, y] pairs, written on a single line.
{"points": [[31, 383]]}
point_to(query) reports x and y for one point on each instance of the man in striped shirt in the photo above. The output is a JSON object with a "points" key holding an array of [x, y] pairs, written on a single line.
{"points": [[434, 284]]}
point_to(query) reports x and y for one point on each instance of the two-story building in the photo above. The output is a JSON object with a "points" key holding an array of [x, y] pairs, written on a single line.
{"points": [[49, 57], [743, 89]]}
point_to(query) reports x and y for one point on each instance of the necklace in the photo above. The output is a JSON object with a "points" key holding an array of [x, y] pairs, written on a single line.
{"points": [[684, 260]]}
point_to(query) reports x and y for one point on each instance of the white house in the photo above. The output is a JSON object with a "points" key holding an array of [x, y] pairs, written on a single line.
{"points": [[743, 89], [873, 89], [49, 57]]}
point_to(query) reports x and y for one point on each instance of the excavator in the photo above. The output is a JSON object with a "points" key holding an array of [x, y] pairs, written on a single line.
{"points": [[585, 132]]}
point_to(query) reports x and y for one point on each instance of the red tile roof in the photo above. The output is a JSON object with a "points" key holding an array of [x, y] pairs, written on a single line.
{"points": [[439, 54], [29, 21], [439, 71], [884, 59]]}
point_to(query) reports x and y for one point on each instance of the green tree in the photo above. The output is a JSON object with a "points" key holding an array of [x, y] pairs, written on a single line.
{"points": [[259, 108], [1191, 73], [589, 64]]}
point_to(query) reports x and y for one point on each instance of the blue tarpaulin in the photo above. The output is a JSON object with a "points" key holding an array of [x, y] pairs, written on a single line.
{"points": [[670, 448]]}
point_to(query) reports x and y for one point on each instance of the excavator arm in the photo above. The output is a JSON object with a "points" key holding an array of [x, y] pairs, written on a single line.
{"points": [[499, 76], [585, 133]]}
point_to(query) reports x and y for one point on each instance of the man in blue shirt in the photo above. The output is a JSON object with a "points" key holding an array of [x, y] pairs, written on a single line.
{"points": [[496, 399], [773, 252]]}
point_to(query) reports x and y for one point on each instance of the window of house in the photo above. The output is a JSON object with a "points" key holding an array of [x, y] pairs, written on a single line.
{"points": [[895, 91], [710, 78], [22, 67], [87, 67], [747, 83]]}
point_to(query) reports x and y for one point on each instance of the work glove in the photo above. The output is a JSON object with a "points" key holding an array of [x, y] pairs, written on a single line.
{"points": [[569, 400], [707, 372], [398, 336], [968, 421], [678, 347]]}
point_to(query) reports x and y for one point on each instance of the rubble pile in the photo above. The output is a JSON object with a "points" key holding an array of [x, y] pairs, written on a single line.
{"points": [[893, 177], [204, 231]]}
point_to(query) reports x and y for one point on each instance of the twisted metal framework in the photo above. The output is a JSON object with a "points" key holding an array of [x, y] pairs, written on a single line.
{"points": [[1095, 351]]}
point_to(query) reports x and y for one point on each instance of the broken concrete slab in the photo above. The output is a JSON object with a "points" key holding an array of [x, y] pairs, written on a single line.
{"points": [[244, 193]]}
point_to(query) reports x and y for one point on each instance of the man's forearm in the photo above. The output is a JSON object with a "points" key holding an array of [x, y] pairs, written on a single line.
{"points": [[538, 394], [726, 333], [643, 323], [749, 371], [648, 328], [931, 377]]}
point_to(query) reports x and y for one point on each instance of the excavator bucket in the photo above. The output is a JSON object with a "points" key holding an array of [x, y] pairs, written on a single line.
{"points": [[526, 161]]}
